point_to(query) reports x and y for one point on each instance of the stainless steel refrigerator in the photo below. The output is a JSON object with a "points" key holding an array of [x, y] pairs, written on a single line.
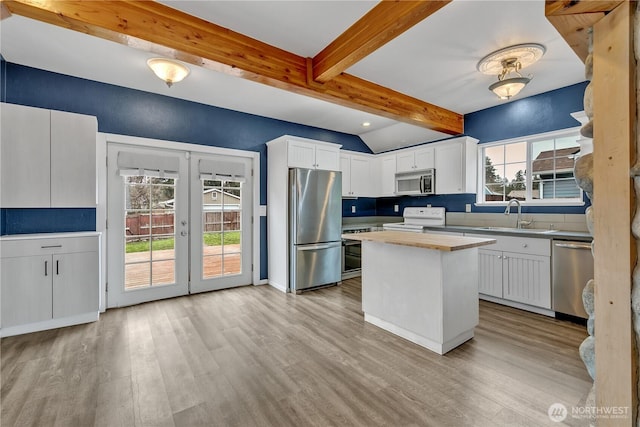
{"points": [[315, 225]]}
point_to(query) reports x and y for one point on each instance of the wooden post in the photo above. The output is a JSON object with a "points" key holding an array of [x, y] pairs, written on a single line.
{"points": [[614, 204]]}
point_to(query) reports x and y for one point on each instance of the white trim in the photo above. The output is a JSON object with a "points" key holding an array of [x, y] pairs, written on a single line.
{"points": [[44, 325], [101, 208], [519, 305]]}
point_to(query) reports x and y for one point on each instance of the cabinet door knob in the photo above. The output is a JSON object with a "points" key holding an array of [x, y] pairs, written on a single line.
{"points": [[45, 268], [524, 245], [499, 256]]}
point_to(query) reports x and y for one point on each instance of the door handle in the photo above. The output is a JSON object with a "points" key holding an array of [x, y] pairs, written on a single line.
{"points": [[183, 222], [183, 233], [57, 267], [45, 268], [319, 246], [573, 245]]}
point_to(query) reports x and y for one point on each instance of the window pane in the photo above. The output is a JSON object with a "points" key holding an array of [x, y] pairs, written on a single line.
{"points": [[516, 176], [494, 193], [163, 272], [567, 189], [535, 189], [211, 266], [163, 248], [496, 154], [516, 152], [137, 250], [136, 275], [567, 142]]}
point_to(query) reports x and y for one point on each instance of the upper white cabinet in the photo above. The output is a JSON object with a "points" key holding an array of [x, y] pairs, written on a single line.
{"points": [[356, 175], [310, 154], [73, 160], [386, 164], [456, 165], [47, 158], [415, 159]]}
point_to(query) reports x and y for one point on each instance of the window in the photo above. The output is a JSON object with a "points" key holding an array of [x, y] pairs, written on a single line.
{"points": [[536, 169]]}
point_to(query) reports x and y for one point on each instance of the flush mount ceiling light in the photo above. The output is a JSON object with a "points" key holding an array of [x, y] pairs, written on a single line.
{"points": [[506, 64], [168, 70]]}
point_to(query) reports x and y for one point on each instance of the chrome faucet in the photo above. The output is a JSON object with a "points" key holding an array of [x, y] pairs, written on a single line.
{"points": [[507, 211]]}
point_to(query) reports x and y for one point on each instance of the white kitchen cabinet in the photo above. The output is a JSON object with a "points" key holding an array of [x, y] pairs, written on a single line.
{"points": [[449, 173], [73, 160], [26, 290], [25, 157], [415, 159], [48, 158], [387, 175], [490, 272], [516, 269], [356, 175], [313, 154], [456, 165], [48, 281]]}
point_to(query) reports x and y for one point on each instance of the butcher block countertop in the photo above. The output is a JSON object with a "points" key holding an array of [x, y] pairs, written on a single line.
{"points": [[441, 242]]}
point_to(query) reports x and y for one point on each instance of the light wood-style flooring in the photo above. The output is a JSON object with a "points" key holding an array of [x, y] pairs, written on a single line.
{"points": [[253, 356]]}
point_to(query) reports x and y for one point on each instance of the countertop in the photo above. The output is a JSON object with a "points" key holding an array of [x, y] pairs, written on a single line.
{"points": [[478, 229], [440, 242], [525, 232], [10, 237]]}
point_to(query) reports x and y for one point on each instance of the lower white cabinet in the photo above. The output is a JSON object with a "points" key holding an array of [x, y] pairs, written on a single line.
{"points": [[516, 269], [48, 282]]}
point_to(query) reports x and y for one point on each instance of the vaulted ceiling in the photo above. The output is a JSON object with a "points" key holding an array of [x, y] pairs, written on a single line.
{"points": [[408, 68]]}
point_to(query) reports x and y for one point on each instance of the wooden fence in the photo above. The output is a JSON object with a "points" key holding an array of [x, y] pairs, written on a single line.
{"points": [[142, 225]]}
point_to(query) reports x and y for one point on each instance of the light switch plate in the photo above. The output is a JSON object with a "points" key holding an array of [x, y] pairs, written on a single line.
{"points": [[353, 209], [396, 208], [467, 207]]}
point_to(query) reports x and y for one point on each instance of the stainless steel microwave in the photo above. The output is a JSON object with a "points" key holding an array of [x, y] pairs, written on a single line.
{"points": [[421, 182]]}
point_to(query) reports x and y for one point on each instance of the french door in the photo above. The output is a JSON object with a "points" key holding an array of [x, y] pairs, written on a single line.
{"points": [[220, 222], [177, 223]]}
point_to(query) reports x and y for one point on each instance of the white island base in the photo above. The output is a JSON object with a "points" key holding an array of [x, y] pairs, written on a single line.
{"points": [[427, 296]]}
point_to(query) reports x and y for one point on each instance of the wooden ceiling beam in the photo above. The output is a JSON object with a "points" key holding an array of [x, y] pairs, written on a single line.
{"points": [[157, 28], [573, 18], [380, 25]]}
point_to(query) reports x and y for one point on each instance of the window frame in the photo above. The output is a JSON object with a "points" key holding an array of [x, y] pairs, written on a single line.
{"points": [[529, 140]]}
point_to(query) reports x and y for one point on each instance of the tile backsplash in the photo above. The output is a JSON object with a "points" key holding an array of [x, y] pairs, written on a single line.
{"points": [[566, 222]]}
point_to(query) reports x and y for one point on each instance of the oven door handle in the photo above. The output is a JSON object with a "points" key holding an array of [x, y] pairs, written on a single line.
{"points": [[351, 243]]}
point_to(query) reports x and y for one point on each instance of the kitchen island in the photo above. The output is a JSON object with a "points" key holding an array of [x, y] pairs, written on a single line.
{"points": [[422, 287]]}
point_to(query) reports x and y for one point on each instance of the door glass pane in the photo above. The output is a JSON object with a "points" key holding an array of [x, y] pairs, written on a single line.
{"points": [[149, 231], [221, 225]]}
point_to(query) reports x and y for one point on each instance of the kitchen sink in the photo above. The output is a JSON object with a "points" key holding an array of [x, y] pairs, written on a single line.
{"points": [[518, 230]]}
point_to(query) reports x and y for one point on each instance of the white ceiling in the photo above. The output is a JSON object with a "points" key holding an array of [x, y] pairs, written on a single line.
{"points": [[434, 61]]}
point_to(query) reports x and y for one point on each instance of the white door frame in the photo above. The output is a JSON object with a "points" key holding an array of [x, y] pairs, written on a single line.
{"points": [[101, 209]]}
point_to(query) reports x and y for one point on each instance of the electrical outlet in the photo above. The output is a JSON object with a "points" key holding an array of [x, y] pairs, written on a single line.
{"points": [[428, 205], [396, 208], [467, 207], [353, 209]]}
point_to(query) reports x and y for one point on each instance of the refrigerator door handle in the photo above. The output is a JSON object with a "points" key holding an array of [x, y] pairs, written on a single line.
{"points": [[318, 246]]}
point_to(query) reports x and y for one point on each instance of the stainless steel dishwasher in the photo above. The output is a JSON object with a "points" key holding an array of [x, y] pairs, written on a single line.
{"points": [[572, 268]]}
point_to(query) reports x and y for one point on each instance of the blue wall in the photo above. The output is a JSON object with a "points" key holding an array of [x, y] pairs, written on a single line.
{"points": [[132, 112], [541, 113]]}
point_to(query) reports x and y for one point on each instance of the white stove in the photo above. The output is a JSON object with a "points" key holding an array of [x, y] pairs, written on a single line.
{"points": [[416, 219]]}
